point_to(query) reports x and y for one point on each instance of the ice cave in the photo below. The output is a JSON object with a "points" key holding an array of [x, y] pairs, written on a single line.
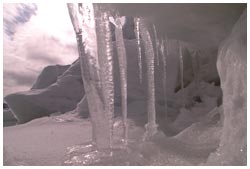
{"points": [[153, 85]]}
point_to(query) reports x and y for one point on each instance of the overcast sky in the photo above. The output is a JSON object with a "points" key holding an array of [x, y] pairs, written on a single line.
{"points": [[34, 36]]}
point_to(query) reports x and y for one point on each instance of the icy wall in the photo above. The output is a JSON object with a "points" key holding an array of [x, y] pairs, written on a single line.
{"points": [[232, 67]]}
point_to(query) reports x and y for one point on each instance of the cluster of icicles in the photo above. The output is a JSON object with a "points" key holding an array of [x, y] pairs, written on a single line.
{"points": [[93, 33]]}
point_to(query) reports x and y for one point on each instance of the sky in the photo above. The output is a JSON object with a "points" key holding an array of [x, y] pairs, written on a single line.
{"points": [[34, 36]]}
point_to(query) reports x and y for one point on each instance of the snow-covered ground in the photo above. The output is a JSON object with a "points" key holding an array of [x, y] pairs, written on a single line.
{"points": [[66, 140], [185, 138]]}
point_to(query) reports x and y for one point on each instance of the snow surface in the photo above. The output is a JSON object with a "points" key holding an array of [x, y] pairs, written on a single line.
{"points": [[43, 141], [65, 140]]}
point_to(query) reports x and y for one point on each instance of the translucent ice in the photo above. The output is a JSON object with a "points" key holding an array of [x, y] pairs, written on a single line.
{"points": [[195, 65], [105, 56], [164, 52], [122, 59], [137, 34], [181, 72], [156, 41], [232, 68], [151, 127], [93, 39]]}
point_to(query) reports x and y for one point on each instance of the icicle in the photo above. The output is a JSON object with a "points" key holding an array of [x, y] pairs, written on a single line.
{"points": [[167, 46], [164, 79], [156, 40], [91, 40], [151, 126], [181, 72], [122, 59], [195, 65], [105, 56], [137, 34]]}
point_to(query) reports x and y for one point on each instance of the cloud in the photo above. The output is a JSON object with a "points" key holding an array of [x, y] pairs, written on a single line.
{"points": [[15, 14], [20, 79], [43, 38]]}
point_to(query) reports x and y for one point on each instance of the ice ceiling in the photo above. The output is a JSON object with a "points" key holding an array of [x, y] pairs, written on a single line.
{"points": [[203, 24]]}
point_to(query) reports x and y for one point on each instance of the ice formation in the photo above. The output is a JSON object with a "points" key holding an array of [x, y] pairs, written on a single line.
{"points": [[195, 65], [232, 67], [137, 35], [181, 72], [106, 64], [151, 126], [122, 59], [156, 44], [164, 55], [87, 19]]}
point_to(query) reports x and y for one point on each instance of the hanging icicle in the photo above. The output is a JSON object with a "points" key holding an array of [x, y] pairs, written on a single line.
{"points": [[105, 56], [195, 65], [138, 40], [167, 46], [122, 59], [92, 38], [151, 126], [181, 73], [164, 65], [156, 40]]}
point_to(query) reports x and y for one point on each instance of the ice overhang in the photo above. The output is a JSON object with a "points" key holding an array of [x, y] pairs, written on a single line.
{"points": [[205, 25]]}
